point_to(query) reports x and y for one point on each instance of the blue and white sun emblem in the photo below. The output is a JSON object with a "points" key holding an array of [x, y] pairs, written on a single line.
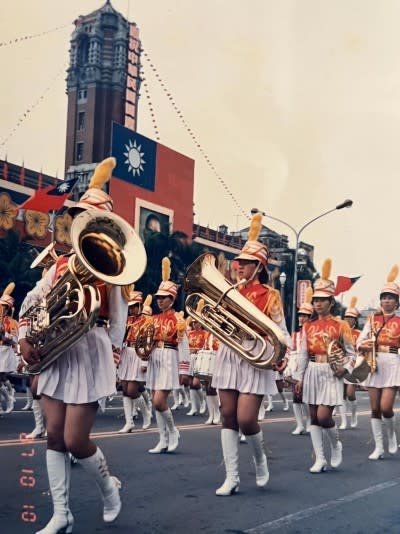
{"points": [[63, 188], [134, 157]]}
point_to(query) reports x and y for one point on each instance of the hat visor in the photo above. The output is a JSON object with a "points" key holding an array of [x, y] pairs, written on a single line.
{"points": [[6, 303], [133, 302], [353, 315], [162, 293], [322, 294], [389, 292], [250, 257]]}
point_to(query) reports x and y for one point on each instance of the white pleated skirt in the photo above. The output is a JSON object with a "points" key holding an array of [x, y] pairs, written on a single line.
{"points": [[184, 368], [388, 371], [193, 357], [85, 373], [130, 366], [233, 372], [162, 370], [320, 386], [8, 360]]}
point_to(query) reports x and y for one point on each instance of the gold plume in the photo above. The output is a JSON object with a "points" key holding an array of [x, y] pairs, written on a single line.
{"points": [[393, 274], [308, 296], [126, 291], [326, 269], [353, 302], [9, 289], [188, 321], [102, 173], [200, 306], [222, 263], [148, 300], [255, 227], [165, 269]]}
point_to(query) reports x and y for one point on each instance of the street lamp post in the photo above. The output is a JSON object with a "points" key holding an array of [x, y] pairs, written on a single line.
{"points": [[282, 280], [345, 204]]}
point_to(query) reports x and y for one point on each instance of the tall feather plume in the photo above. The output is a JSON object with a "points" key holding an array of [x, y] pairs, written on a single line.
{"points": [[200, 306], [308, 296], [326, 269], [148, 300], [353, 302], [255, 227], [9, 289], [393, 274], [127, 290], [222, 263], [165, 269], [102, 173]]}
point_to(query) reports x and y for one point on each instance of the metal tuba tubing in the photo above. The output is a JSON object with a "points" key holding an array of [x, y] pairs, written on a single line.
{"points": [[106, 248], [232, 318]]}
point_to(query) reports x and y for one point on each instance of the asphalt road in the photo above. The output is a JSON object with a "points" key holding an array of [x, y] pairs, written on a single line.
{"points": [[174, 493]]}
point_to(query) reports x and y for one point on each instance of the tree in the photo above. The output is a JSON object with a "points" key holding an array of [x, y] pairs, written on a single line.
{"points": [[15, 260]]}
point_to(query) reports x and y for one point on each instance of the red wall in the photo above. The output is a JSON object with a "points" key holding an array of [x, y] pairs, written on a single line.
{"points": [[174, 188]]}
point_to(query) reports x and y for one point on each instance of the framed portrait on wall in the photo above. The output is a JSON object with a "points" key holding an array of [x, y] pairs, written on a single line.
{"points": [[151, 218]]}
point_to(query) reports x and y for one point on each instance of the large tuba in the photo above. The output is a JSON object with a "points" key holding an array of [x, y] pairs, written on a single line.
{"points": [[231, 317], [106, 248]]}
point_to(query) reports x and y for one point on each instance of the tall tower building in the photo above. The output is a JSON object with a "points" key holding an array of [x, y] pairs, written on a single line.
{"points": [[102, 86]]}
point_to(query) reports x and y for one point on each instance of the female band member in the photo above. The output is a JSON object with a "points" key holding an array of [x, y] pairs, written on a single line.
{"points": [[162, 372], [130, 372], [8, 342], [242, 387], [381, 335], [74, 383], [300, 409], [351, 317], [322, 386], [197, 338]]}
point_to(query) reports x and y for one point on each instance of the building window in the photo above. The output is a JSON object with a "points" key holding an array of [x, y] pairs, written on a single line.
{"points": [[79, 151], [82, 95], [81, 120]]}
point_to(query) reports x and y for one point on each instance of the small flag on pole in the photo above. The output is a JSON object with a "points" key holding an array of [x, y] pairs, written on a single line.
{"points": [[50, 198], [344, 283]]}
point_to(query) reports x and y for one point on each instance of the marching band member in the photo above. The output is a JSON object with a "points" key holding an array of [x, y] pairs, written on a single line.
{"points": [[163, 371], [241, 386], [212, 397], [380, 343], [197, 340], [322, 386], [74, 383], [351, 316], [8, 342], [300, 409], [130, 368]]}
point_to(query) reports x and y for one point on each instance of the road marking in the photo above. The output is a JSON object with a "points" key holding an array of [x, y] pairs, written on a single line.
{"points": [[154, 430], [287, 520]]}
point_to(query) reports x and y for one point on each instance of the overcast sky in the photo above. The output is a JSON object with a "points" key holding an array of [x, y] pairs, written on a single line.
{"points": [[296, 103]]}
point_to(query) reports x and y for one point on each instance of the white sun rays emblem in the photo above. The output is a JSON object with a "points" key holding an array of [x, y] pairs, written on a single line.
{"points": [[134, 157], [63, 188]]}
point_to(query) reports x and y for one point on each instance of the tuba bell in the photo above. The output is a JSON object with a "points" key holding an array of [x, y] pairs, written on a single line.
{"points": [[233, 319], [105, 248]]}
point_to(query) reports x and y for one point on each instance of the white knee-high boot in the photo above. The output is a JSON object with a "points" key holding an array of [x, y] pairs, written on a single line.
{"points": [[59, 473], [203, 404], [109, 486], [230, 451], [29, 400], [256, 441], [298, 415], [343, 416], [210, 408], [144, 410], [306, 412], [318, 446], [261, 411], [194, 403], [378, 452], [391, 434], [175, 395], [285, 402], [162, 445], [270, 406], [39, 429], [352, 405], [173, 432], [127, 404], [336, 446], [217, 413], [147, 398], [186, 393]]}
